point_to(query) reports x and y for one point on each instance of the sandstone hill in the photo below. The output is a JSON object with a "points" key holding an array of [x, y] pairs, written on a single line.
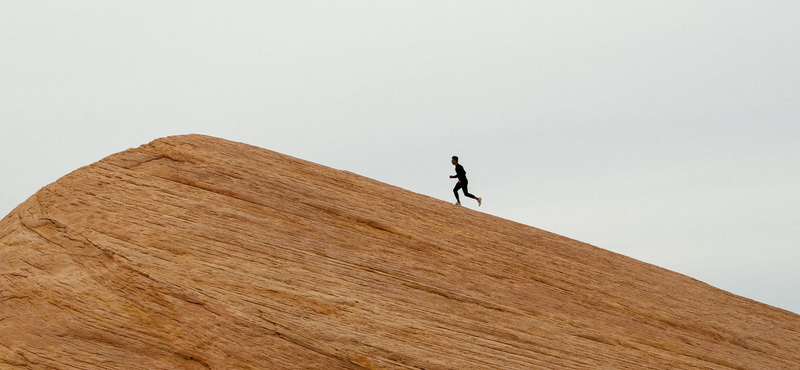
{"points": [[193, 252]]}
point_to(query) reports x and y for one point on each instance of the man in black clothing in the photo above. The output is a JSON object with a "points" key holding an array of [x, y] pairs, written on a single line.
{"points": [[461, 175]]}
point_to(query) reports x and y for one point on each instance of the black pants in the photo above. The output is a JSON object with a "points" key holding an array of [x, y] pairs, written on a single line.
{"points": [[462, 185]]}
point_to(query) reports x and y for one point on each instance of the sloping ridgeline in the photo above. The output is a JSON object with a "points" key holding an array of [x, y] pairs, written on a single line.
{"points": [[193, 252]]}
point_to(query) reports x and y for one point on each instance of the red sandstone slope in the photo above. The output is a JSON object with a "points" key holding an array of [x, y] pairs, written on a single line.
{"points": [[198, 253]]}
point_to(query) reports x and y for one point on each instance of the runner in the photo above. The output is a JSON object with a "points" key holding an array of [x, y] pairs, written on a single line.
{"points": [[461, 175]]}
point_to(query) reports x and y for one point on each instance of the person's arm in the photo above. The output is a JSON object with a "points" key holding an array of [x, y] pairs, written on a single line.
{"points": [[456, 175]]}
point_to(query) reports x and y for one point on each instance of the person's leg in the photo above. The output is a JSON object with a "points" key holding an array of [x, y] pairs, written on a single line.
{"points": [[466, 192], [455, 191]]}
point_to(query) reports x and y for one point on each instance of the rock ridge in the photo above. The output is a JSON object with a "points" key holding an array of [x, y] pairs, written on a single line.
{"points": [[193, 252]]}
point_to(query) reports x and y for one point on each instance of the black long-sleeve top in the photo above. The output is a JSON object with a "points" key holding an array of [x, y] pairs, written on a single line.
{"points": [[460, 173]]}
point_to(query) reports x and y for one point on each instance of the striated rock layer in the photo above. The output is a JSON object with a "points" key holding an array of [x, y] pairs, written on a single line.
{"points": [[193, 252]]}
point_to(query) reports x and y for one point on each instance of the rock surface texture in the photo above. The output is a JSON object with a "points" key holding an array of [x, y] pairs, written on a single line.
{"points": [[193, 252]]}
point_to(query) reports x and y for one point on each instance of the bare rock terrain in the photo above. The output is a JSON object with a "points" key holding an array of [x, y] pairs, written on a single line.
{"points": [[193, 252]]}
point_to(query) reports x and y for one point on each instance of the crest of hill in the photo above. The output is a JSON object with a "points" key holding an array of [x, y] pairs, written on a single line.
{"points": [[193, 252]]}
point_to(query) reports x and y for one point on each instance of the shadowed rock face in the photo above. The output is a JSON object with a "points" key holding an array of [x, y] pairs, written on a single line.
{"points": [[193, 252]]}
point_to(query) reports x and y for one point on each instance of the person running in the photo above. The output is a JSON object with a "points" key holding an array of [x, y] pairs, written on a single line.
{"points": [[461, 175]]}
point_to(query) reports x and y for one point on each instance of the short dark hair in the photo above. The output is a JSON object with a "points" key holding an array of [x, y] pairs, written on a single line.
{"points": [[455, 157]]}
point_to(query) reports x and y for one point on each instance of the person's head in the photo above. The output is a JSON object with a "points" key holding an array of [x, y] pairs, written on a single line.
{"points": [[454, 160]]}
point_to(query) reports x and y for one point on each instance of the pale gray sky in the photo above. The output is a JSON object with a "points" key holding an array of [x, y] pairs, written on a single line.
{"points": [[662, 130]]}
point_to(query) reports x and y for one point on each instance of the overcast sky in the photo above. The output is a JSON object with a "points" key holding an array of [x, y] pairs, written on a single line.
{"points": [[666, 131]]}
